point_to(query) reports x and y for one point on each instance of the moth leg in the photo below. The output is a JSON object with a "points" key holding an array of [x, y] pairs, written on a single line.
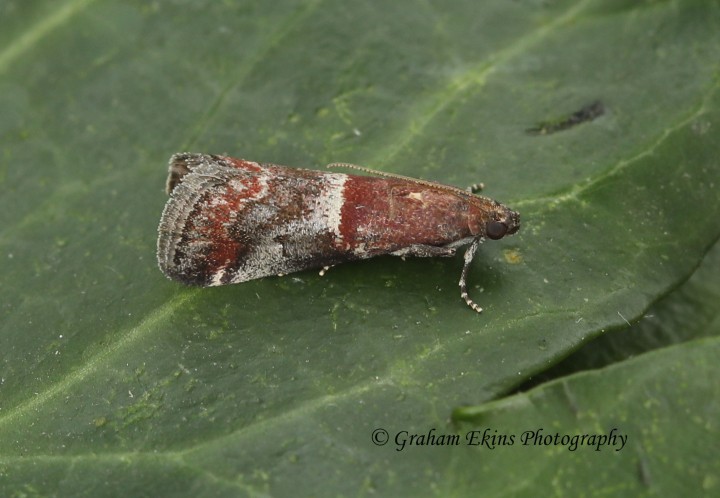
{"points": [[469, 255], [423, 251]]}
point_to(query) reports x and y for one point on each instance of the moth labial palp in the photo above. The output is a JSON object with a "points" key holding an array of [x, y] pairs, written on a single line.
{"points": [[231, 220]]}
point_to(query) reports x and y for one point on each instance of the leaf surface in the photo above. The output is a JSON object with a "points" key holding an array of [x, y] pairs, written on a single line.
{"points": [[114, 380]]}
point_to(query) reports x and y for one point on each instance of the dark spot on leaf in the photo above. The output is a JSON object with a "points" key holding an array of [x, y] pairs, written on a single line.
{"points": [[588, 113]]}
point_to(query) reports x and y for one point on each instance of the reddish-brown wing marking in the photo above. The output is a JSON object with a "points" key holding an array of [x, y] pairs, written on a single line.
{"points": [[230, 220]]}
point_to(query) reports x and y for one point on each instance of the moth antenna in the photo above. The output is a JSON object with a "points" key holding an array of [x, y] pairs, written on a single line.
{"points": [[428, 183], [475, 187], [469, 255]]}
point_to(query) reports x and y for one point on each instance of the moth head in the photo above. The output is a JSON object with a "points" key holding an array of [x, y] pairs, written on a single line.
{"points": [[503, 222]]}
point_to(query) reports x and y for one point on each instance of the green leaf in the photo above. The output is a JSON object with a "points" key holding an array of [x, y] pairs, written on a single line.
{"points": [[645, 424], [687, 313], [116, 381]]}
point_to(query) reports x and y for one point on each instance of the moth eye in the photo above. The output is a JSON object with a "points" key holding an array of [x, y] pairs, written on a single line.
{"points": [[496, 229]]}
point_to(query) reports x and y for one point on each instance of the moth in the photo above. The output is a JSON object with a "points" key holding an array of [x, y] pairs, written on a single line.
{"points": [[230, 220]]}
